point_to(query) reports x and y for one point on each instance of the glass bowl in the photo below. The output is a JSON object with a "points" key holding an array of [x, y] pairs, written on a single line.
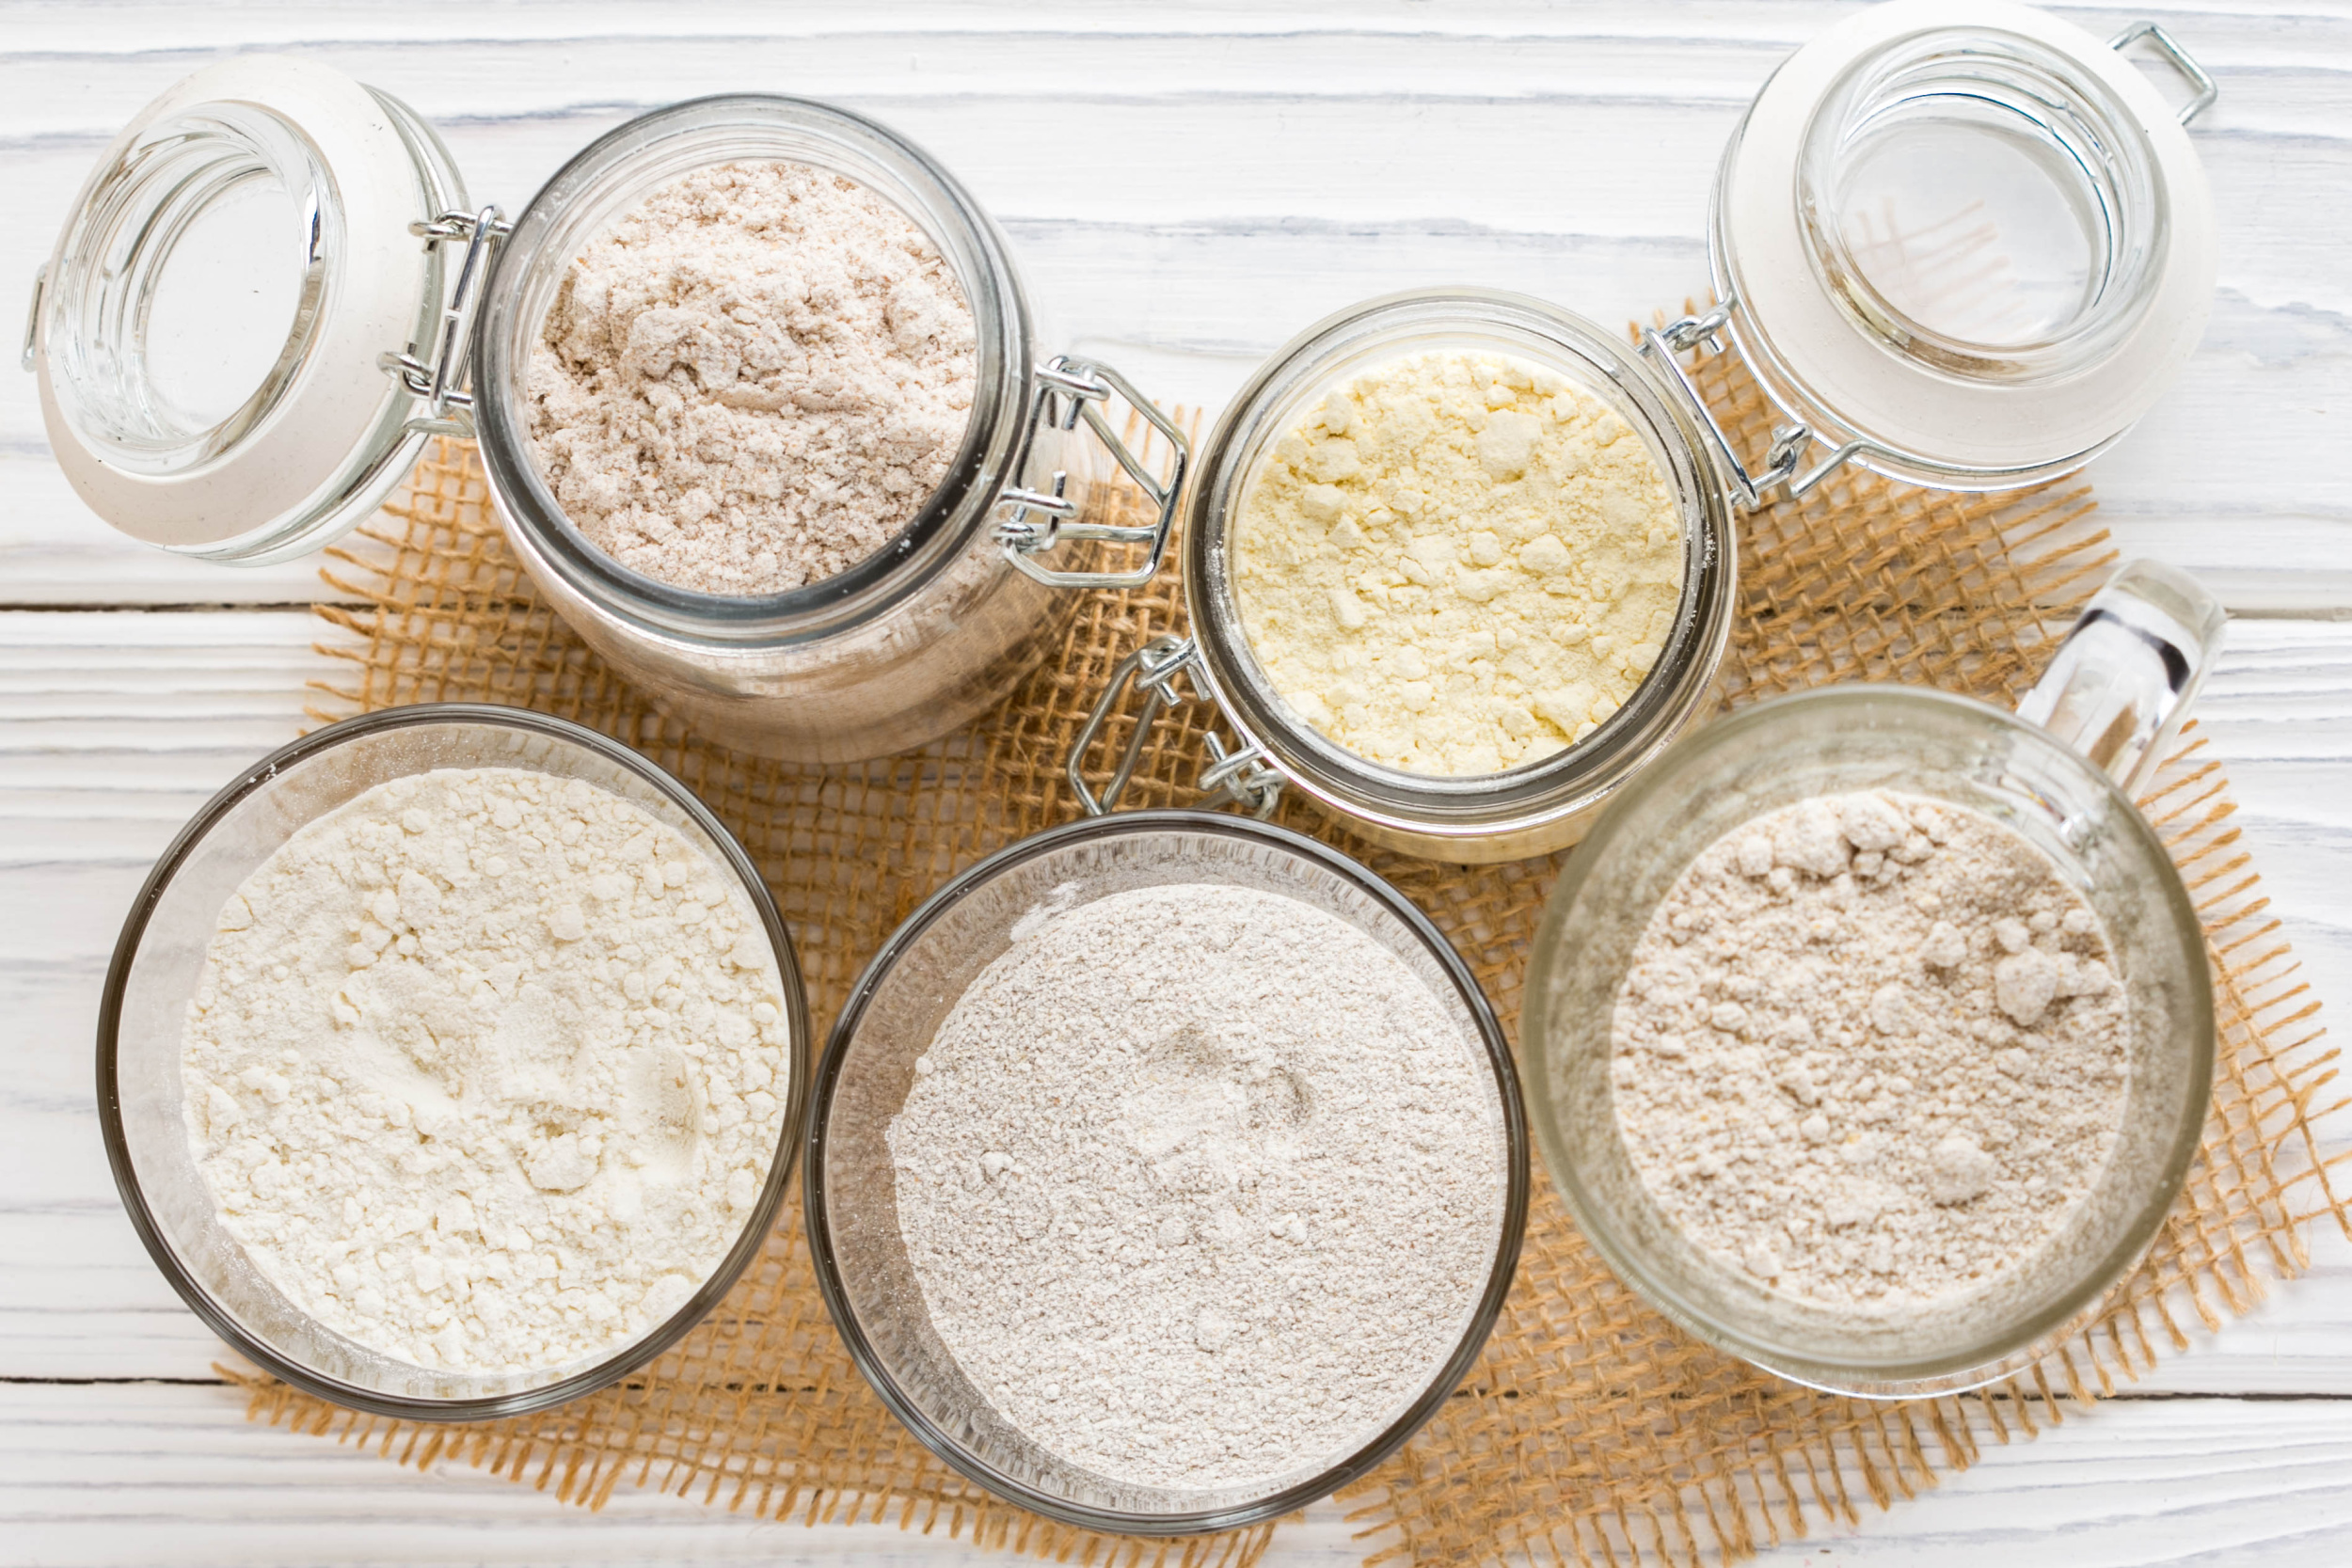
{"points": [[869, 1065], [160, 957], [1946, 748]]}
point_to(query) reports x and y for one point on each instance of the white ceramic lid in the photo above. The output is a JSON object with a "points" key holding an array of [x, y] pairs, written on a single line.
{"points": [[1814, 356], [336, 412]]}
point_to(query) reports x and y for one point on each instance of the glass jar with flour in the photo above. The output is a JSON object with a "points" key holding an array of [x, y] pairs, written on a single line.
{"points": [[1460, 564], [762, 400]]}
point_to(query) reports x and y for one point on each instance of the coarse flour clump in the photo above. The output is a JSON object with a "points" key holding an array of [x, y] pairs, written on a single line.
{"points": [[1458, 563], [753, 381], [487, 1068], [1871, 1049], [1201, 1185]]}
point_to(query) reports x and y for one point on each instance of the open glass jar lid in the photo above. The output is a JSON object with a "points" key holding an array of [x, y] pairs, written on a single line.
{"points": [[212, 331], [1960, 242]]}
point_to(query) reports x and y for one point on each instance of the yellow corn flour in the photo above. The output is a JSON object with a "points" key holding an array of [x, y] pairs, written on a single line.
{"points": [[1460, 562]]}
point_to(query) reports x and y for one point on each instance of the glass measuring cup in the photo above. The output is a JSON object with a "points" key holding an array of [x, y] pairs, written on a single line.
{"points": [[2062, 770]]}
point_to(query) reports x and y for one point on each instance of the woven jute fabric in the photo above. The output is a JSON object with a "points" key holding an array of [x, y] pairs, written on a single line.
{"points": [[1591, 1430]]}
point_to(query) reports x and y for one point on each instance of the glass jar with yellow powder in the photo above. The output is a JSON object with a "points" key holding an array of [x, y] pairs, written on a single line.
{"points": [[1459, 560], [1456, 568], [1959, 243]]}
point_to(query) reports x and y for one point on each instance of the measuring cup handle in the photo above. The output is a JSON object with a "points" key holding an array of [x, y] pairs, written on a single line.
{"points": [[2124, 678]]}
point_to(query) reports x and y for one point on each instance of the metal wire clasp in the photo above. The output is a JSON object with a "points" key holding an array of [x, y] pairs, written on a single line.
{"points": [[1244, 775], [32, 317], [1664, 345], [443, 380], [2199, 77], [1068, 390]]}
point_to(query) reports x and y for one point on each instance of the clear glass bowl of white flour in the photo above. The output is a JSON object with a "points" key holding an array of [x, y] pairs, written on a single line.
{"points": [[1201, 1384], [255, 1300]]}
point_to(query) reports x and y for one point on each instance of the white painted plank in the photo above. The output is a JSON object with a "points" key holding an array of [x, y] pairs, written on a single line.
{"points": [[91, 1478], [101, 1476]]}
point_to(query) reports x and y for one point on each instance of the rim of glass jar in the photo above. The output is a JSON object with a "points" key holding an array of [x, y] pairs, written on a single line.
{"points": [[739, 1256], [1870, 404], [1449, 1375], [148, 196], [1479, 805], [1977, 1364], [608, 177], [2115, 159]]}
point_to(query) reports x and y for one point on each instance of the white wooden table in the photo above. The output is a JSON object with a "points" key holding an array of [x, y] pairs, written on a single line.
{"points": [[1213, 177]]}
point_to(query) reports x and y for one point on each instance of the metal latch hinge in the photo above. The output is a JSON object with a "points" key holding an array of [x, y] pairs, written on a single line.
{"points": [[1790, 442], [443, 381], [1069, 392], [1243, 774], [2206, 88], [32, 316]]}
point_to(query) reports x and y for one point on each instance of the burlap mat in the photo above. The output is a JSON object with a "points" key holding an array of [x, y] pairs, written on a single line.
{"points": [[1591, 1430]]}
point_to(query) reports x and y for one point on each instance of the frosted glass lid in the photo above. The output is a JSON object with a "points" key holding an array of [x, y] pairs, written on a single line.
{"points": [[212, 332], [1968, 238]]}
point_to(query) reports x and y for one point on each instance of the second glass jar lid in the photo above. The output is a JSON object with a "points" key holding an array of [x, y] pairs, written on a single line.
{"points": [[1968, 244]]}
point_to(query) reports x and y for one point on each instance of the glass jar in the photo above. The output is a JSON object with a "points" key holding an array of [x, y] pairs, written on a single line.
{"points": [[157, 971], [1528, 810], [1964, 244], [2063, 772], [401, 314], [1960, 243]]}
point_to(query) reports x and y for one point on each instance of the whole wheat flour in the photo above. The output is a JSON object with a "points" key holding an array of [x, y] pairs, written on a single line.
{"points": [[1200, 1184], [487, 1068], [1871, 1049], [753, 381], [1458, 563]]}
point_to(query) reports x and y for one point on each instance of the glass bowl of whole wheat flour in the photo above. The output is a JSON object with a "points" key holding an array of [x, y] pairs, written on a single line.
{"points": [[1122, 1214], [1870, 1035], [464, 1190]]}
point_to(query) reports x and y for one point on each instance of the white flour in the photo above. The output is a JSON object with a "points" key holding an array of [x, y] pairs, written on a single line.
{"points": [[1201, 1185], [753, 380], [487, 1068], [1871, 1049]]}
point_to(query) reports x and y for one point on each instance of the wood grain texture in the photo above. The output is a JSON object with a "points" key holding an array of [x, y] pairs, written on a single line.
{"points": [[1213, 177], [115, 1477]]}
